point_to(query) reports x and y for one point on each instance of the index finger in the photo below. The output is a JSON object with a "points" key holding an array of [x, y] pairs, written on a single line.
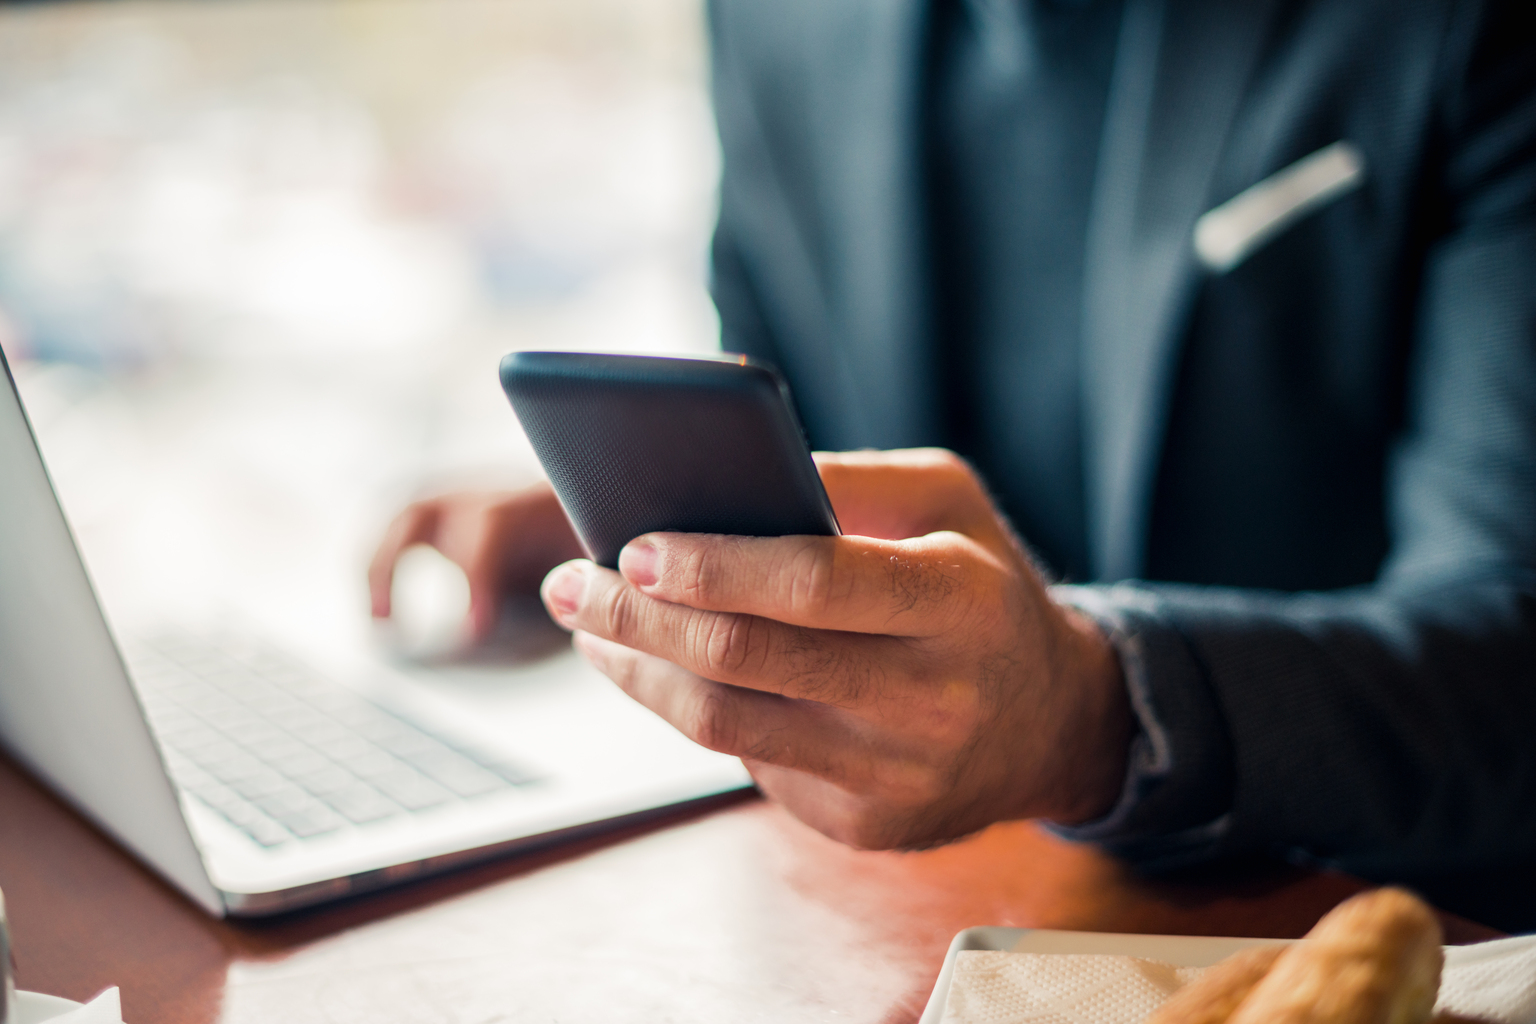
{"points": [[918, 587], [410, 527]]}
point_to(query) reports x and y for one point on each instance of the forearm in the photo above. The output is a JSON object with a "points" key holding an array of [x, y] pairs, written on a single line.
{"points": [[1385, 729]]}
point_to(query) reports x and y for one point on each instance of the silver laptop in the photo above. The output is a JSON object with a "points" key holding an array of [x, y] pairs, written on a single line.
{"points": [[257, 784]]}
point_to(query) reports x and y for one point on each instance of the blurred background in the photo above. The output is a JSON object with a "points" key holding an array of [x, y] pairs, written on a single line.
{"points": [[259, 260]]}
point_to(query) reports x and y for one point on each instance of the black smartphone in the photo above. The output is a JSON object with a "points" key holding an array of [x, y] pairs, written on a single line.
{"points": [[636, 444]]}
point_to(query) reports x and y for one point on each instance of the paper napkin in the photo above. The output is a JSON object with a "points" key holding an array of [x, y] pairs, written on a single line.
{"points": [[104, 1009], [1052, 988], [1493, 981]]}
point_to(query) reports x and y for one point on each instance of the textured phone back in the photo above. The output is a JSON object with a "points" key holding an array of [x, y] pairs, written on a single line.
{"points": [[636, 444]]}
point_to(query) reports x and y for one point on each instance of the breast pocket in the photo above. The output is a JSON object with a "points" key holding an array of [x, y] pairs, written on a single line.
{"points": [[1233, 231]]}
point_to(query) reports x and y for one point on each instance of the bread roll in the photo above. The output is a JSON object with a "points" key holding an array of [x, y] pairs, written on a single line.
{"points": [[1211, 998], [1374, 959]]}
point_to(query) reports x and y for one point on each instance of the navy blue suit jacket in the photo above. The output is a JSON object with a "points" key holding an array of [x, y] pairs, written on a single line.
{"points": [[1341, 669]]}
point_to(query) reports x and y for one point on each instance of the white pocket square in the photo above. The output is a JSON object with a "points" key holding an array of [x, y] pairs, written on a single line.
{"points": [[1225, 236]]}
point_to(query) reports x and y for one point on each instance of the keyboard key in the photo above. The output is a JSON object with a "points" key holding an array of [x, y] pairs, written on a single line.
{"points": [[265, 831], [330, 779], [403, 742], [370, 762], [207, 747], [234, 768], [515, 772], [456, 771], [364, 718], [282, 752], [410, 789], [361, 804], [220, 798], [311, 821], [289, 717], [261, 786], [339, 745], [243, 814], [471, 781], [252, 822], [275, 747], [232, 720], [203, 702], [284, 801], [291, 714], [254, 731], [300, 762]]}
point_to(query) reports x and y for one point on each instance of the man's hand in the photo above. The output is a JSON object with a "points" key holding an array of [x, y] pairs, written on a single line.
{"points": [[899, 686], [504, 541]]}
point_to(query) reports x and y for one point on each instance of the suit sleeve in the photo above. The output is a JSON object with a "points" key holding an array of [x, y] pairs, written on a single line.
{"points": [[1389, 730]]}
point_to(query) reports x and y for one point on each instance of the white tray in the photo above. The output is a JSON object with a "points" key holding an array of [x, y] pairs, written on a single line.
{"points": [[1180, 950]]}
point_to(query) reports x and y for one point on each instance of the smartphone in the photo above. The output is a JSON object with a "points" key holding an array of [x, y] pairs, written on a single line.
{"points": [[638, 444]]}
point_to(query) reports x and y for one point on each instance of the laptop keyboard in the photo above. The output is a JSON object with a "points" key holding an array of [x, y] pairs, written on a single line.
{"points": [[286, 754]]}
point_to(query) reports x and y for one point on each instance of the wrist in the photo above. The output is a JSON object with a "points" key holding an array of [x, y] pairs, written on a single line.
{"points": [[1095, 748]]}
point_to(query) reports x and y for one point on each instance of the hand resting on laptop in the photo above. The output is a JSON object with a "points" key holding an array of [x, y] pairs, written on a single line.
{"points": [[504, 541]]}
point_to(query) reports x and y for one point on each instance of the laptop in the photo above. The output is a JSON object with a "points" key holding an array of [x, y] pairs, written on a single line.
{"points": [[257, 783]]}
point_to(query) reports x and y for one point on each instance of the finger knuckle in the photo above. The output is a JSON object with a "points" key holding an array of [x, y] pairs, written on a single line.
{"points": [[714, 723], [695, 577], [771, 748], [920, 579], [867, 832], [818, 583], [728, 645], [816, 670], [624, 670], [619, 614]]}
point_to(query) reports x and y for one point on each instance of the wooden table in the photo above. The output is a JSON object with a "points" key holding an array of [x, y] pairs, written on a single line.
{"points": [[734, 912]]}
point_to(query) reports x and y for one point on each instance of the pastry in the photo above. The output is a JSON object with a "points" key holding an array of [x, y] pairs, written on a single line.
{"points": [[1374, 959], [1211, 998]]}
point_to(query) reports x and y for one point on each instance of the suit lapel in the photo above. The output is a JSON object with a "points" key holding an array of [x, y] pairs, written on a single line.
{"points": [[868, 118], [1180, 73]]}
